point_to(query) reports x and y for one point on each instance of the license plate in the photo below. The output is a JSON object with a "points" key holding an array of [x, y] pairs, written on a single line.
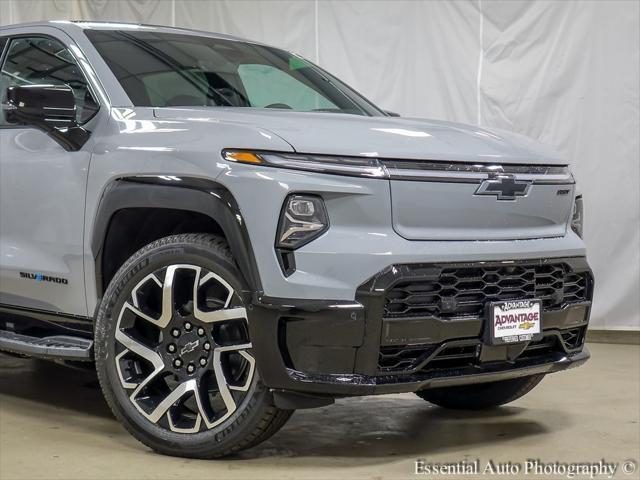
{"points": [[514, 321]]}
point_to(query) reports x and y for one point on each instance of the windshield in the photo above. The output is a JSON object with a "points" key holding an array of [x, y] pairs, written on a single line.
{"points": [[158, 69]]}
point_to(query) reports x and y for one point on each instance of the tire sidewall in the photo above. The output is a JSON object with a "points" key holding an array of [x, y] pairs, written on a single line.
{"points": [[140, 265]]}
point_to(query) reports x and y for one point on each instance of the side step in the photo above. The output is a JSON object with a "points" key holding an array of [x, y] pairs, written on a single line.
{"points": [[59, 347]]}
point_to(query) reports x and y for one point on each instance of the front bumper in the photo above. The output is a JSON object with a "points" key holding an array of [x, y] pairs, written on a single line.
{"points": [[347, 385], [343, 348]]}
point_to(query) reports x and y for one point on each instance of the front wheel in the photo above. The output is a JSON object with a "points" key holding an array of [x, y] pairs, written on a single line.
{"points": [[173, 352], [481, 395]]}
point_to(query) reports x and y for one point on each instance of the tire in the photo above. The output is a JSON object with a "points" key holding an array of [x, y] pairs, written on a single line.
{"points": [[480, 395], [173, 353]]}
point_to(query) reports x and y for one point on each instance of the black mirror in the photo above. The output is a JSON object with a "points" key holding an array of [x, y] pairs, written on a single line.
{"points": [[33, 104], [50, 108]]}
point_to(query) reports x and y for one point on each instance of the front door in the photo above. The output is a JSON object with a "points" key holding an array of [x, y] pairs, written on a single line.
{"points": [[42, 187]]}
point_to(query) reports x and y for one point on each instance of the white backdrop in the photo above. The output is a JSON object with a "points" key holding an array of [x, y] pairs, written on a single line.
{"points": [[564, 72]]}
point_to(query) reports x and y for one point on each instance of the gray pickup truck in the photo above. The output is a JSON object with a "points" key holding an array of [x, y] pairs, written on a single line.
{"points": [[230, 233]]}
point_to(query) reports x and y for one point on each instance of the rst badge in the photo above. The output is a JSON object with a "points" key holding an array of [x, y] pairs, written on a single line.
{"points": [[514, 321]]}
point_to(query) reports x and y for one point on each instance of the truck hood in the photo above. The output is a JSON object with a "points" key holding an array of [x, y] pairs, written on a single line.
{"points": [[382, 137]]}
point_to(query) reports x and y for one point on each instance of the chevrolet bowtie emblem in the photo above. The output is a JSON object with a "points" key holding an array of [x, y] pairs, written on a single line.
{"points": [[505, 187]]}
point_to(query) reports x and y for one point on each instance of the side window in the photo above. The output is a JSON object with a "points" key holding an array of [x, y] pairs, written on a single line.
{"points": [[266, 85], [45, 61]]}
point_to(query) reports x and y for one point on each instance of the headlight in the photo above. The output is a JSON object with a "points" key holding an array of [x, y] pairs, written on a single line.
{"points": [[302, 219], [353, 166], [577, 218]]}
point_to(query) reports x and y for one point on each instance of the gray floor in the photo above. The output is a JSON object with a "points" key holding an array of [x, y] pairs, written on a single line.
{"points": [[54, 424]]}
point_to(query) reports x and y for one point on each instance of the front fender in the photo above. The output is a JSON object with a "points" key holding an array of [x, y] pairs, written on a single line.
{"points": [[192, 194]]}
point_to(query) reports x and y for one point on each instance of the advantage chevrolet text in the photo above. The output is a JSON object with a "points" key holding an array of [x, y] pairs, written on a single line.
{"points": [[231, 233]]}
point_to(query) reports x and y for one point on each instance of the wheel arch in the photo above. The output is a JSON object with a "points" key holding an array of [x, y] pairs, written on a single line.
{"points": [[174, 197]]}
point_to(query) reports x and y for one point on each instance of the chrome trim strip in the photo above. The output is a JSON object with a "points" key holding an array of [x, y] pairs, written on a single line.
{"points": [[411, 170], [431, 171], [473, 167], [361, 167]]}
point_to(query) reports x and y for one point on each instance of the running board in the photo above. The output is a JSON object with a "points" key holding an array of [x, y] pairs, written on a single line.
{"points": [[58, 347]]}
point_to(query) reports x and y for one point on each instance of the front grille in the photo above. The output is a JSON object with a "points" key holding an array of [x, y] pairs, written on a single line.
{"points": [[454, 356], [542, 347], [465, 353], [453, 292], [573, 338], [403, 357]]}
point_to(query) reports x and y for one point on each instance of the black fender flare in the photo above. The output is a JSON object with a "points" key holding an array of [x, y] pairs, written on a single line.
{"points": [[198, 195]]}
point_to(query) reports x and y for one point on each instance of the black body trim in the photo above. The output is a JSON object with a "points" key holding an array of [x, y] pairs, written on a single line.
{"points": [[349, 385], [177, 193], [49, 322], [333, 347]]}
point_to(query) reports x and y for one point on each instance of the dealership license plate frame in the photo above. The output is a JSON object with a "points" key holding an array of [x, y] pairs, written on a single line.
{"points": [[495, 335]]}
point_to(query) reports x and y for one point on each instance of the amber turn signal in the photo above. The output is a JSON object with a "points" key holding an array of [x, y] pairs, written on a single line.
{"points": [[242, 157]]}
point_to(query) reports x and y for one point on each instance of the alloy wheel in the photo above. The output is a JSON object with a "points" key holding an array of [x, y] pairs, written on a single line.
{"points": [[183, 353]]}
